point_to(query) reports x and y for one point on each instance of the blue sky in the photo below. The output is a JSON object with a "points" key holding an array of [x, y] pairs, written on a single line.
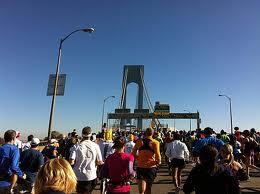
{"points": [[191, 50]]}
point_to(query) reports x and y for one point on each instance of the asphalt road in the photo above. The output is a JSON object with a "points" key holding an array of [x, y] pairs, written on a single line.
{"points": [[163, 183]]}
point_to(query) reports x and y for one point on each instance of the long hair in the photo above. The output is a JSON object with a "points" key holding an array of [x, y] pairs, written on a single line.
{"points": [[227, 149], [57, 175]]}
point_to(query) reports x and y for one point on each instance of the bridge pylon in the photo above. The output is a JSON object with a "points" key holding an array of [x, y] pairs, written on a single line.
{"points": [[133, 74]]}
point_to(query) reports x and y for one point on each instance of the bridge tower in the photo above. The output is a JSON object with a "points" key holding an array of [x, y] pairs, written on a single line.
{"points": [[133, 74]]}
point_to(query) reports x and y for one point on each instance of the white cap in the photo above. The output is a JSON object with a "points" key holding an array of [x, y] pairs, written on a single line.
{"points": [[35, 141], [54, 141]]}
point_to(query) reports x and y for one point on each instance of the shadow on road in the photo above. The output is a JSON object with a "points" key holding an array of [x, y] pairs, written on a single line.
{"points": [[250, 190]]}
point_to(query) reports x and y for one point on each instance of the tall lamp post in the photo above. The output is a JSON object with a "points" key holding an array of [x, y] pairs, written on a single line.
{"points": [[190, 119], [89, 30], [103, 109], [230, 111]]}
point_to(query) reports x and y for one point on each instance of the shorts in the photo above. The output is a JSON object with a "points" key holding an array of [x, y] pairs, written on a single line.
{"points": [[147, 174], [177, 163], [86, 186]]}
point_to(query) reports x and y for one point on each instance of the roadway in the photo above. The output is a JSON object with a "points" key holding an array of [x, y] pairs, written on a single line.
{"points": [[163, 183]]}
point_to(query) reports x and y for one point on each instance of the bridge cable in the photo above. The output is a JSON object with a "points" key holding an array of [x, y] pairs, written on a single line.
{"points": [[148, 98]]}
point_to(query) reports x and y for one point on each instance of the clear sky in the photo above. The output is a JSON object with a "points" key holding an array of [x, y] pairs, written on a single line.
{"points": [[191, 50]]}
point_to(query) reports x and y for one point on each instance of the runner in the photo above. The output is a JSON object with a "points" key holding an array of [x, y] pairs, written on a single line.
{"points": [[249, 146], [210, 178], [228, 161], [27, 145], [51, 150], [130, 144], [177, 151], [9, 163], [84, 157], [106, 144], [30, 163], [167, 140], [208, 140], [148, 159], [118, 168], [18, 143], [55, 177], [106, 147]]}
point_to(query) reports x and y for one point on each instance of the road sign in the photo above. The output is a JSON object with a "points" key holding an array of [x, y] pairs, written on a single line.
{"points": [[125, 110], [61, 85], [153, 115]]}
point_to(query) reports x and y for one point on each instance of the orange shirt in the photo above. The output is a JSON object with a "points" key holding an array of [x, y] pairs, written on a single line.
{"points": [[147, 158]]}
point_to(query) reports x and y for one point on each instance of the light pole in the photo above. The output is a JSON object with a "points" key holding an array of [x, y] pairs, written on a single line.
{"points": [[230, 111], [89, 30], [190, 119], [103, 109]]}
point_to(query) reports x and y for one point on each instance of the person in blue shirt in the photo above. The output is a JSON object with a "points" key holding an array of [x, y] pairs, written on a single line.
{"points": [[208, 140], [9, 163]]}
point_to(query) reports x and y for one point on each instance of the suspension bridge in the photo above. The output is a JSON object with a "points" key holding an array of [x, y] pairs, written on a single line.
{"points": [[123, 114]]}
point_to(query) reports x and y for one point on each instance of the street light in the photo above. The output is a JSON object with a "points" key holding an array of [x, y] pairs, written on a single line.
{"points": [[230, 111], [89, 30], [103, 109], [190, 119]]}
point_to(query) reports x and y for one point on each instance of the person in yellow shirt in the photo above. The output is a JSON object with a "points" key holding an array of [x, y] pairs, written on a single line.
{"points": [[147, 153]]}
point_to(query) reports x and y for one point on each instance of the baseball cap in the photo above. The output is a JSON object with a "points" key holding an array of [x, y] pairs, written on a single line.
{"points": [[86, 132], [35, 141]]}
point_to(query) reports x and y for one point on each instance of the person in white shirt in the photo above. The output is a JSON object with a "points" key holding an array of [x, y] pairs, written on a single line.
{"points": [[18, 143], [130, 144], [27, 145], [106, 144], [85, 157], [177, 152]]}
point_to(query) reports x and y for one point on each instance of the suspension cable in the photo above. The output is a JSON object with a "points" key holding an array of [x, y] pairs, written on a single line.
{"points": [[146, 93], [148, 98]]}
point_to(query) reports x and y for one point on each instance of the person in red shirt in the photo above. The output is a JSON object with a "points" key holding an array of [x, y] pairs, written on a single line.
{"points": [[118, 168]]}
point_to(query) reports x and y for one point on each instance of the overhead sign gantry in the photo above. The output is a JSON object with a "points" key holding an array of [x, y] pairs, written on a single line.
{"points": [[144, 114]]}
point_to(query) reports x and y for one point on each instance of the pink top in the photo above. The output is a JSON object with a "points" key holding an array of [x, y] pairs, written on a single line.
{"points": [[119, 167]]}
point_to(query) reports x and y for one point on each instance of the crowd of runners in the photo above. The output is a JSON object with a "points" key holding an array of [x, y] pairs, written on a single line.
{"points": [[77, 163]]}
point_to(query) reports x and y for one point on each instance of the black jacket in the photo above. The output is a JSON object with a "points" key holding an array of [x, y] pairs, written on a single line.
{"points": [[221, 181]]}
